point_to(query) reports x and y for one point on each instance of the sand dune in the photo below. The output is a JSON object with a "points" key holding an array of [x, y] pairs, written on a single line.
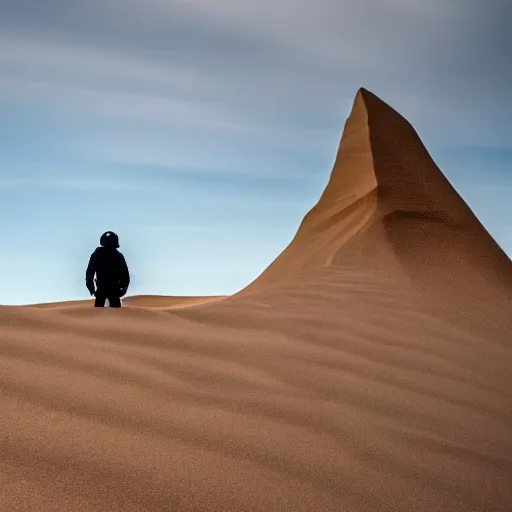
{"points": [[369, 368], [385, 207]]}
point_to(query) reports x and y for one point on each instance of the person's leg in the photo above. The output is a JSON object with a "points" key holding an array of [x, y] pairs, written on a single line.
{"points": [[114, 301], [100, 300]]}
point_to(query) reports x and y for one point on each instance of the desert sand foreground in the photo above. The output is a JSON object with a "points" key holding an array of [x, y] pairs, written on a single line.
{"points": [[369, 368]]}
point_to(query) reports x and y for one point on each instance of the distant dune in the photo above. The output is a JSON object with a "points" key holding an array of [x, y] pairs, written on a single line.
{"points": [[368, 368], [155, 301], [144, 301]]}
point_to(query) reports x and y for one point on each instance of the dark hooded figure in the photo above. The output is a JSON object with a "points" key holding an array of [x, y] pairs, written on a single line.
{"points": [[112, 276]]}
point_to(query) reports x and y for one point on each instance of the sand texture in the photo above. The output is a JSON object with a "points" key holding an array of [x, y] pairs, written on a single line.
{"points": [[369, 368]]}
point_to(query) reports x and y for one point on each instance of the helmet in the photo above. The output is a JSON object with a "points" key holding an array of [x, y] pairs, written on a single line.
{"points": [[109, 239]]}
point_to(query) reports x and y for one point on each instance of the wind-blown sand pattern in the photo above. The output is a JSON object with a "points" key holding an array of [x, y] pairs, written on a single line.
{"points": [[369, 368]]}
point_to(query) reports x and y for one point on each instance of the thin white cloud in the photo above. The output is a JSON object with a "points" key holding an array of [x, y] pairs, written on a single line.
{"points": [[66, 180], [78, 65]]}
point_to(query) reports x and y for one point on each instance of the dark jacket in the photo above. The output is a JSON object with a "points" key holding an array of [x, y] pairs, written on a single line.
{"points": [[111, 271]]}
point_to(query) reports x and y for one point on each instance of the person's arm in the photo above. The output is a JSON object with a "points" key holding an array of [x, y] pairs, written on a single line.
{"points": [[124, 280], [89, 273]]}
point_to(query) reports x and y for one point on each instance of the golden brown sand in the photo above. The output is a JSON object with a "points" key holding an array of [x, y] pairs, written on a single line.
{"points": [[369, 368]]}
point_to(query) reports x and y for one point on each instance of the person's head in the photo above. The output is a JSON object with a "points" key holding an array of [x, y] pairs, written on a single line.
{"points": [[109, 239]]}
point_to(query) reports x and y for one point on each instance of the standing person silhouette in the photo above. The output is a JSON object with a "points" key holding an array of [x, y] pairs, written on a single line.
{"points": [[112, 276]]}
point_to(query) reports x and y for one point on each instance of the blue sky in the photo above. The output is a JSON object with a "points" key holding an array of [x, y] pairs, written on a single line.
{"points": [[202, 131]]}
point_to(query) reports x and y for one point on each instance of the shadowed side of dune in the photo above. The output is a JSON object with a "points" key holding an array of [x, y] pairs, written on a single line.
{"points": [[428, 226]]}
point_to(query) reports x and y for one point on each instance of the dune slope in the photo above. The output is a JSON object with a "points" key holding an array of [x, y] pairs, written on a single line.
{"points": [[369, 368]]}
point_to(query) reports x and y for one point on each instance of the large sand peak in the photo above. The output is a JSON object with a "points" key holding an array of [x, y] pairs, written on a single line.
{"points": [[388, 206]]}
